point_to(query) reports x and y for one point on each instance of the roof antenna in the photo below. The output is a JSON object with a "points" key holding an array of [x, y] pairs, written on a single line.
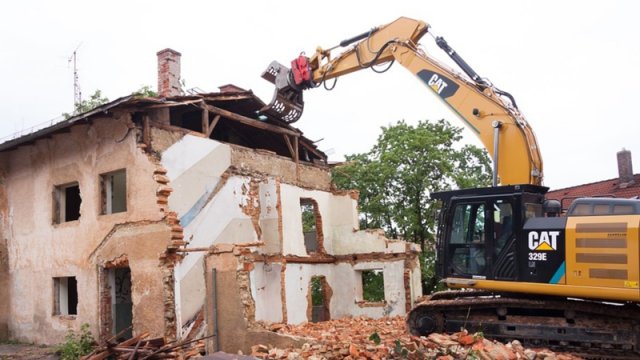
{"points": [[77, 93]]}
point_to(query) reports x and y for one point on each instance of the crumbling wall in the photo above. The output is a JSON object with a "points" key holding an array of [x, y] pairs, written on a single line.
{"points": [[287, 171], [232, 319], [39, 250], [5, 309], [343, 279], [227, 195]]}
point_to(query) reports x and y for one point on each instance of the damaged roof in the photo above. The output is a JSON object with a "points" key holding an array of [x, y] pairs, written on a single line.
{"points": [[234, 116]]}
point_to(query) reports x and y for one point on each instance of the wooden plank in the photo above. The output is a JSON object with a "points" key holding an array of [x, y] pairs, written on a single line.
{"points": [[249, 121], [146, 132], [205, 122], [214, 122], [313, 150], [286, 140]]}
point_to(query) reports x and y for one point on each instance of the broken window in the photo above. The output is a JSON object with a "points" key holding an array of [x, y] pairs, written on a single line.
{"points": [[320, 298], [113, 188], [372, 285], [65, 293], [66, 199], [311, 224]]}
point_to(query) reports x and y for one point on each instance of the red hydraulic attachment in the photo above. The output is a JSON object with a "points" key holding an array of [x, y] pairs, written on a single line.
{"points": [[301, 70]]}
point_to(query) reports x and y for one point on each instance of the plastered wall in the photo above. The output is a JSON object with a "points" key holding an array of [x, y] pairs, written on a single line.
{"points": [[38, 250], [223, 196]]}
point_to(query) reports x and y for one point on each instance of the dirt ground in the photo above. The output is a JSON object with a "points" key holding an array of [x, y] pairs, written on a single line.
{"points": [[26, 351]]}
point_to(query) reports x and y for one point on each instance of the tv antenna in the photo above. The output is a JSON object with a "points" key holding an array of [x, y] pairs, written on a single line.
{"points": [[77, 93]]}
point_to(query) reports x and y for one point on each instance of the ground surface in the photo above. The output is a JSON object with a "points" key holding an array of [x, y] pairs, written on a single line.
{"points": [[26, 351]]}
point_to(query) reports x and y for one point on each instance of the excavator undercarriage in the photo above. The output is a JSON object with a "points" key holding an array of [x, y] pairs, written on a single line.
{"points": [[593, 330]]}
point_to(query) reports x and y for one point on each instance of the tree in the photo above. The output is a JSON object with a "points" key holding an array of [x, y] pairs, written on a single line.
{"points": [[396, 177], [86, 105]]}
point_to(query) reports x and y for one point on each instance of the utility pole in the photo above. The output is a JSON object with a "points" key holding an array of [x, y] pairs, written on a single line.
{"points": [[77, 93]]}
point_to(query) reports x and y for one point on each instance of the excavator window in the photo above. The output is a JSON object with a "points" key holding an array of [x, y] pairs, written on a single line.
{"points": [[480, 236], [467, 238]]}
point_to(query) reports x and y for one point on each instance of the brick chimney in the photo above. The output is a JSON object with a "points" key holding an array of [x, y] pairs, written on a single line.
{"points": [[169, 73], [625, 171]]}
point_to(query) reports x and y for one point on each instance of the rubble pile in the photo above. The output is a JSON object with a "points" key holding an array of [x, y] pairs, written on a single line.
{"points": [[140, 347], [388, 338]]}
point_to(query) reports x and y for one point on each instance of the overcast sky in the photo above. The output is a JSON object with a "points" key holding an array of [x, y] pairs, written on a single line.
{"points": [[573, 66]]}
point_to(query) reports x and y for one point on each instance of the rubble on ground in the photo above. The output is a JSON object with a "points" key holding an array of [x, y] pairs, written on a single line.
{"points": [[141, 347], [388, 338]]}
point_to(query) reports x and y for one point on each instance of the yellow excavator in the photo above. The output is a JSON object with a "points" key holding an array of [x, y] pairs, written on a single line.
{"points": [[517, 266]]}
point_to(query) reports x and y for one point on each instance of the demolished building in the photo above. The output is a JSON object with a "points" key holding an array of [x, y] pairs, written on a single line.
{"points": [[182, 216]]}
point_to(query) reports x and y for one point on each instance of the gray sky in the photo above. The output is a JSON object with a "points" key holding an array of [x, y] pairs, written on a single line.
{"points": [[573, 66]]}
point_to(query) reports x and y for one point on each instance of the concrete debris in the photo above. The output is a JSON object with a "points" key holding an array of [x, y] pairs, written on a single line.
{"points": [[388, 338]]}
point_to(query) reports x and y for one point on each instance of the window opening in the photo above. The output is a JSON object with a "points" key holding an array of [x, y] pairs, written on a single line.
{"points": [[65, 292], [311, 225], [114, 192], [373, 285], [67, 202]]}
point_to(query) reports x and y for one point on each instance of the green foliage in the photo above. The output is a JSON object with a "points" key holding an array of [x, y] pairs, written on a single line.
{"points": [[317, 291], [145, 91], [77, 345], [308, 218], [396, 177], [375, 337], [373, 285], [401, 350], [86, 105]]}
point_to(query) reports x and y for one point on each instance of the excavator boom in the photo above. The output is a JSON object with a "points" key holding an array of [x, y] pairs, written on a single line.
{"points": [[488, 112]]}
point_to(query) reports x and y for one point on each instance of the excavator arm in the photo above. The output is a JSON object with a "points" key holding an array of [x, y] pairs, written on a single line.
{"points": [[488, 112]]}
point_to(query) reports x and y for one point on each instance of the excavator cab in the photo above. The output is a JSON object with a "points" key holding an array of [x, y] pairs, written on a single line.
{"points": [[479, 230]]}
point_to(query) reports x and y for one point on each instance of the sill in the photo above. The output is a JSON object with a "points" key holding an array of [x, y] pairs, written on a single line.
{"points": [[367, 304], [65, 317], [114, 213], [66, 223]]}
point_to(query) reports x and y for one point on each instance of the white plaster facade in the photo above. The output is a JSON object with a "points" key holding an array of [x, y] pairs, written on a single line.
{"points": [[221, 207]]}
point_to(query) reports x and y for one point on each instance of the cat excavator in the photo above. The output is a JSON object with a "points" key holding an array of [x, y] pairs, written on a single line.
{"points": [[517, 266]]}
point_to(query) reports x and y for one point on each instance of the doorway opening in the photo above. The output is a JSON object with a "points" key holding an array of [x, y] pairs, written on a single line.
{"points": [[319, 298]]}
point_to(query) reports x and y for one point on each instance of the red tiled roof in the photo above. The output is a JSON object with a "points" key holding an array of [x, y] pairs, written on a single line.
{"points": [[605, 188]]}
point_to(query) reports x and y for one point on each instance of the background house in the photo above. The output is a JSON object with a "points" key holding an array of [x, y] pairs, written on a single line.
{"points": [[626, 185]]}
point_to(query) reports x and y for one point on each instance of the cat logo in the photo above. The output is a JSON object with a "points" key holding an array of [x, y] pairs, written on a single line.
{"points": [[440, 84], [437, 84], [543, 241]]}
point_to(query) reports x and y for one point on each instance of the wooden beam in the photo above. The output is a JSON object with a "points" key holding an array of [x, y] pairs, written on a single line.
{"points": [[205, 122], [316, 152], [296, 153], [249, 121], [172, 104], [288, 142], [213, 125], [146, 132]]}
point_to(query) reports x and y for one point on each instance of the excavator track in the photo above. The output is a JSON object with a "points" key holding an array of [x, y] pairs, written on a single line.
{"points": [[590, 329]]}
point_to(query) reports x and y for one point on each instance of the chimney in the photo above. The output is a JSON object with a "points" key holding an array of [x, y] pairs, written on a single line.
{"points": [[625, 171], [169, 73]]}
